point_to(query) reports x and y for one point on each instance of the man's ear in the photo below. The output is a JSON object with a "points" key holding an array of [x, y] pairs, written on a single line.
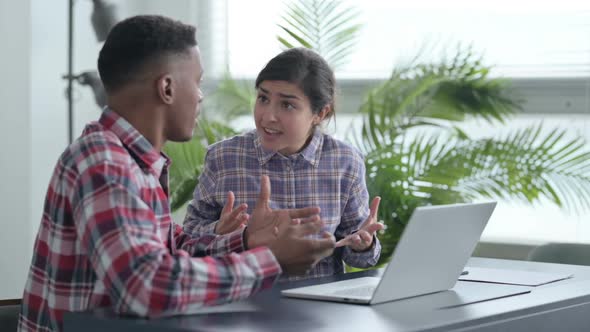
{"points": [[165, 88]]}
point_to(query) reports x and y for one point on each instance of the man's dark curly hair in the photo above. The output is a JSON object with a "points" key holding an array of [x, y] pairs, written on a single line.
{"points": [[139, 41]]}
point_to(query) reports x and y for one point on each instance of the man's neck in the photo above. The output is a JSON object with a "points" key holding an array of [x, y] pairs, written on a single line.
{"points": [[145, 118], [147, 126]]}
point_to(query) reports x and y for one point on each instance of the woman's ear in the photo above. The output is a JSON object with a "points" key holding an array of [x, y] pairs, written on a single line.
{"points": [[165, 89], [322, 115]]}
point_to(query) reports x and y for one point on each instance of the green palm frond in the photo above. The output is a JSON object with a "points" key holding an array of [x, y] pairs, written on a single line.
{"points": [[392, 107], [434, 95], [530, 164], [188, 158], [527, 165], [467, 89], [231, 98], [210, 131], [395, 173], [324, 26]]}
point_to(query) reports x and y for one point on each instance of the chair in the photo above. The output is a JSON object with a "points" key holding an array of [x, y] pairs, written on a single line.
{"points": [[9, 311], [564, 253]]}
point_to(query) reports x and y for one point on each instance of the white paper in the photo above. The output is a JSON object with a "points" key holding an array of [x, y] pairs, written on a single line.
{"points": [[512, 277]]}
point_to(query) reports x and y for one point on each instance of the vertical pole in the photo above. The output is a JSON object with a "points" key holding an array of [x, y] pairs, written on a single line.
{"points": [[70, 71]]}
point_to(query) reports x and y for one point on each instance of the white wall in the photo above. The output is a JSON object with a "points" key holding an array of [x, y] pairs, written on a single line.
{"points": [[15, 145], [33, 118]]}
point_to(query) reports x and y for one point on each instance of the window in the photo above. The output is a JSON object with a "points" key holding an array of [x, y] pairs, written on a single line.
{"points": [[542, 39]]}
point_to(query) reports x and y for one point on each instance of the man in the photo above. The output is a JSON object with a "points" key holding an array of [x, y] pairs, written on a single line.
{"points": [[106, 237]]}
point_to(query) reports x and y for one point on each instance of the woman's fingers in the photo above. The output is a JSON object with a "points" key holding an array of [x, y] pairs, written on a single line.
{"points": [[229, 203], [374, 207]]}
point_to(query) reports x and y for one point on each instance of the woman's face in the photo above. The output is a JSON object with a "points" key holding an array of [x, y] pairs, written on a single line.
{"points": [[283, 117]]}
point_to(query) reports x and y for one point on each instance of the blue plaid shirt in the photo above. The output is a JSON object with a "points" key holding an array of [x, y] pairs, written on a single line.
{"points": [[327, 173]]}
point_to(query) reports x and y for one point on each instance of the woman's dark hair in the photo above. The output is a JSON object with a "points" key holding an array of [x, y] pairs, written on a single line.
{"points": [[139, 41], [309, 71]]}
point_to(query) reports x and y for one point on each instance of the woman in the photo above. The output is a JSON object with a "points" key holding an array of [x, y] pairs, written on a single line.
{"points": [[306, 167]]}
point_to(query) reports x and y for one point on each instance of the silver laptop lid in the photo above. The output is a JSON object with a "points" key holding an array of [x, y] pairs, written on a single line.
{"points": [[433, 250]]}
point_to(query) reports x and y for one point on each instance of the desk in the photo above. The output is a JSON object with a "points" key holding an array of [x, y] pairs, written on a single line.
{"points": [[559, 306]]}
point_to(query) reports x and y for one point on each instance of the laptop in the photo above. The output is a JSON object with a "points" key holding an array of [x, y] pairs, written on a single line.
{"points": [[430, 256]]}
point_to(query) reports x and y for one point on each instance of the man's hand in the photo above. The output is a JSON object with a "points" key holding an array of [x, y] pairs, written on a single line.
{"points": [[363, 238], [263, 226], [296, 252], [231, 219]]}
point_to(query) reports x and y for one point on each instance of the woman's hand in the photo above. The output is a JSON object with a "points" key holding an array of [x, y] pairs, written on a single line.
{"points": [[231, 219], [362, 239]]}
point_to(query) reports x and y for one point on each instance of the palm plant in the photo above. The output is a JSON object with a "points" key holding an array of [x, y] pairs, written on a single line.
{"points": [[233, 98], [188, 158], [412, 166], [327, 27]]}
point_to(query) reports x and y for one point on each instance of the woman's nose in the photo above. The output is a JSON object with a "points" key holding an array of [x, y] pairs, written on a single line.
{"points": [[270, 114]]}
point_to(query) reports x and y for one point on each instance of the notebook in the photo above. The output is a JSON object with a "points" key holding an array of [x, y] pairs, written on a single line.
{"points": [[431, 254], [513, 277]]}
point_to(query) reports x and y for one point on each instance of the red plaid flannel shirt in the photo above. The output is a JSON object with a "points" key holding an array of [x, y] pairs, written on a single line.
{"points": [[106, 239]]}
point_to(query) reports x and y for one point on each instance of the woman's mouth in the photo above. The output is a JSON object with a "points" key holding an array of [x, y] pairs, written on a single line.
{"points": [[272, 132]]}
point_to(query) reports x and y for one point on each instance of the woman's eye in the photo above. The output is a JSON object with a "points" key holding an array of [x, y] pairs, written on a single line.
{"points": [[262, 98], [288, 106]]}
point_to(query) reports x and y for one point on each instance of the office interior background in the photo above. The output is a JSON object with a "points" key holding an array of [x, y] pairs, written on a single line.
{"points": [[543, 47]]}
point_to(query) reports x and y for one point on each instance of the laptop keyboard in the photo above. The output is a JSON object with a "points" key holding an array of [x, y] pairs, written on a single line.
{"points": [[365, 291]]}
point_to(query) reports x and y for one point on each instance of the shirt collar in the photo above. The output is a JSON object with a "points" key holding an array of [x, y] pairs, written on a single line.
{"points": [[311, 152], [135, 142]]}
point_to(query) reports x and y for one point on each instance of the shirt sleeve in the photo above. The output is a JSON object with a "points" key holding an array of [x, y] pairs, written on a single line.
{"points": [[203, 211], [209, 244], [120, 236], [355, 213]]}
